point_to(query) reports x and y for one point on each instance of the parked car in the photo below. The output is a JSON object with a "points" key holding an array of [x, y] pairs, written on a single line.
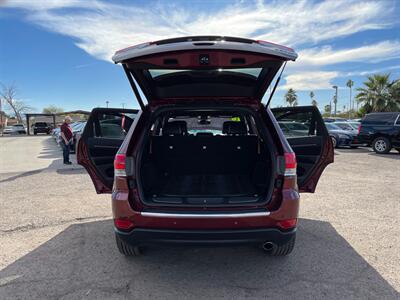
{"points": [[381, 131], [342, 138], [55, 133], [293, 128], [41, 127], [77, 130], [333, 119], [348, 126], [15, 129], [236, 180]]}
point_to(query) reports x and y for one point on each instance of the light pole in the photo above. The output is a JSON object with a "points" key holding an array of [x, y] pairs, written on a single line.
{"points": [[335, 99], [107, 103]]}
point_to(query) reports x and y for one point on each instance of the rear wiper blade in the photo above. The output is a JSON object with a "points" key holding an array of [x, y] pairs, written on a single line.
{"points": [[276, 85]]}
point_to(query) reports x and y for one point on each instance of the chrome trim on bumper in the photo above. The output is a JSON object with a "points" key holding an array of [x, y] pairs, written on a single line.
{"points": [[205, 216]]}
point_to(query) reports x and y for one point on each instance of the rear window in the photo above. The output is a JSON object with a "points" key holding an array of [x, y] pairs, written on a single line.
{"points": [[331, 126], [344, 126], [206, 124], [380, 119], [41, 124], [253, 72], [210, 125]]}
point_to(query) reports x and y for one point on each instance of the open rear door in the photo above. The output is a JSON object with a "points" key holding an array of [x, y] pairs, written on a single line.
{"points": [[306, 133], [104, 133]]}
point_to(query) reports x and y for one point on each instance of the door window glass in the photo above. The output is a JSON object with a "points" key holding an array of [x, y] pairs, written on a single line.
{"points": [[113, 125], [296, 124]]}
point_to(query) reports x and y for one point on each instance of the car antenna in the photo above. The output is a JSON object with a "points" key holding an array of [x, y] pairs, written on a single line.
{"points": [[276, 84]]}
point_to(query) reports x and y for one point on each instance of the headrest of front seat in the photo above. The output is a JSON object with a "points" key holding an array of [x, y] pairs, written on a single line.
{"points": [[204, 134], [232, 127], [175, 128]]}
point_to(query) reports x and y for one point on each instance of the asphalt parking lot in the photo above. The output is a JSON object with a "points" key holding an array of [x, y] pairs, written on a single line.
{"points": [[56, 238]]}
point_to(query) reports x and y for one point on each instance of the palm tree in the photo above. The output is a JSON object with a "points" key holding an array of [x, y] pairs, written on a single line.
{"points": [[350, 84], [291, 97], [313, 101], [379, 94], [328, 109]]}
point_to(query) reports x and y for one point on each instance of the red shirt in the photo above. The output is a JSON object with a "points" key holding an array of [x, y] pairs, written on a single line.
{"points": [[66, 130]]}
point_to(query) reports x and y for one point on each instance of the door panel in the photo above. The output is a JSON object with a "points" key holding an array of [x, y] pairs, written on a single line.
{"points": [[307, 135], [103, 135]]}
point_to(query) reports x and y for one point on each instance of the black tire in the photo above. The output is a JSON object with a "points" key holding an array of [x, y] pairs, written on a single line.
{"points": [[334, 142], [398, 149], [353, 147], [126, 249], [381, 145], [35, 133], [284, 249]]}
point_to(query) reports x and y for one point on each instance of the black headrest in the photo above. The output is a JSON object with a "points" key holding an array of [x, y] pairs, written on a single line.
{"points": [[175, 128], [232, 127], [204, 134]]}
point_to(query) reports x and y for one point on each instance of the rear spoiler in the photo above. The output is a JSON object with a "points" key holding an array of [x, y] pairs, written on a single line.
{"points": [[205, 43]]}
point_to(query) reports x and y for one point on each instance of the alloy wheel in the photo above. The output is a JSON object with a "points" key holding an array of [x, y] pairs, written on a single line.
{"points": [[380, 145], [334, 142]]}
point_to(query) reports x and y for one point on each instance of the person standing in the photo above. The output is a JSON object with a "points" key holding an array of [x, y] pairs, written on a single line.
{"points": [[66, 139]]}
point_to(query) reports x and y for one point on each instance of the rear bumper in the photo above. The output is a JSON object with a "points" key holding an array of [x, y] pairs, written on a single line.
{"points": [[142, 236], [41, 130]]}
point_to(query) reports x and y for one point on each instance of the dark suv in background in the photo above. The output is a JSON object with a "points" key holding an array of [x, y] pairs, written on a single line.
{"points": [[381, 131], [204, 161], [41, 127]]}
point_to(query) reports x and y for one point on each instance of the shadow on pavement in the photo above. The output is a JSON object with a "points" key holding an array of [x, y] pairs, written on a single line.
{"points": [[50, 149], [391, 155], [83, 262], [20, 175], [353, 150]]}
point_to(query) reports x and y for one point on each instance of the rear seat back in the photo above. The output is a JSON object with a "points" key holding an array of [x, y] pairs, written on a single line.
{"points": [[205, 154]]}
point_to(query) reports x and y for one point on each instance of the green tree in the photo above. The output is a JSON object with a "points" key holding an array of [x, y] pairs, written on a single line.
{"points": [[313, 101], [291, 97], [379, 94], [52, 109], [327, 109]]}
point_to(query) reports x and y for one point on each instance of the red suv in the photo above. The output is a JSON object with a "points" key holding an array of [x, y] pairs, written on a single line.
{"points": [[204, 161]]}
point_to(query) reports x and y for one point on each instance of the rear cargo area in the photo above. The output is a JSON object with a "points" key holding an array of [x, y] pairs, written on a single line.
{"points": [[205, 166]]}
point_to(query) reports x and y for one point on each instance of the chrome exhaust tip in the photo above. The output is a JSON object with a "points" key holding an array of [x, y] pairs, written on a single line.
{"points": [[268, 246]]}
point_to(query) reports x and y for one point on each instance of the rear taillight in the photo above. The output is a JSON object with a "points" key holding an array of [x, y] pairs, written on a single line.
{"points": [[287, 224], [120, 165], [290, 164], [359, 128], [123, 224]]}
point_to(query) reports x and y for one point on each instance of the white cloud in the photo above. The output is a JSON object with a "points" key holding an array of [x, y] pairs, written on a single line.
{"points": [[305, 81], [385, 50], [369, 72], [47, 4], [100, 28], [306, 73]]}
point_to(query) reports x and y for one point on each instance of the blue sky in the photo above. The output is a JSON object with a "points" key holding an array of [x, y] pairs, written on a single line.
{"points": [[59, 52]]}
